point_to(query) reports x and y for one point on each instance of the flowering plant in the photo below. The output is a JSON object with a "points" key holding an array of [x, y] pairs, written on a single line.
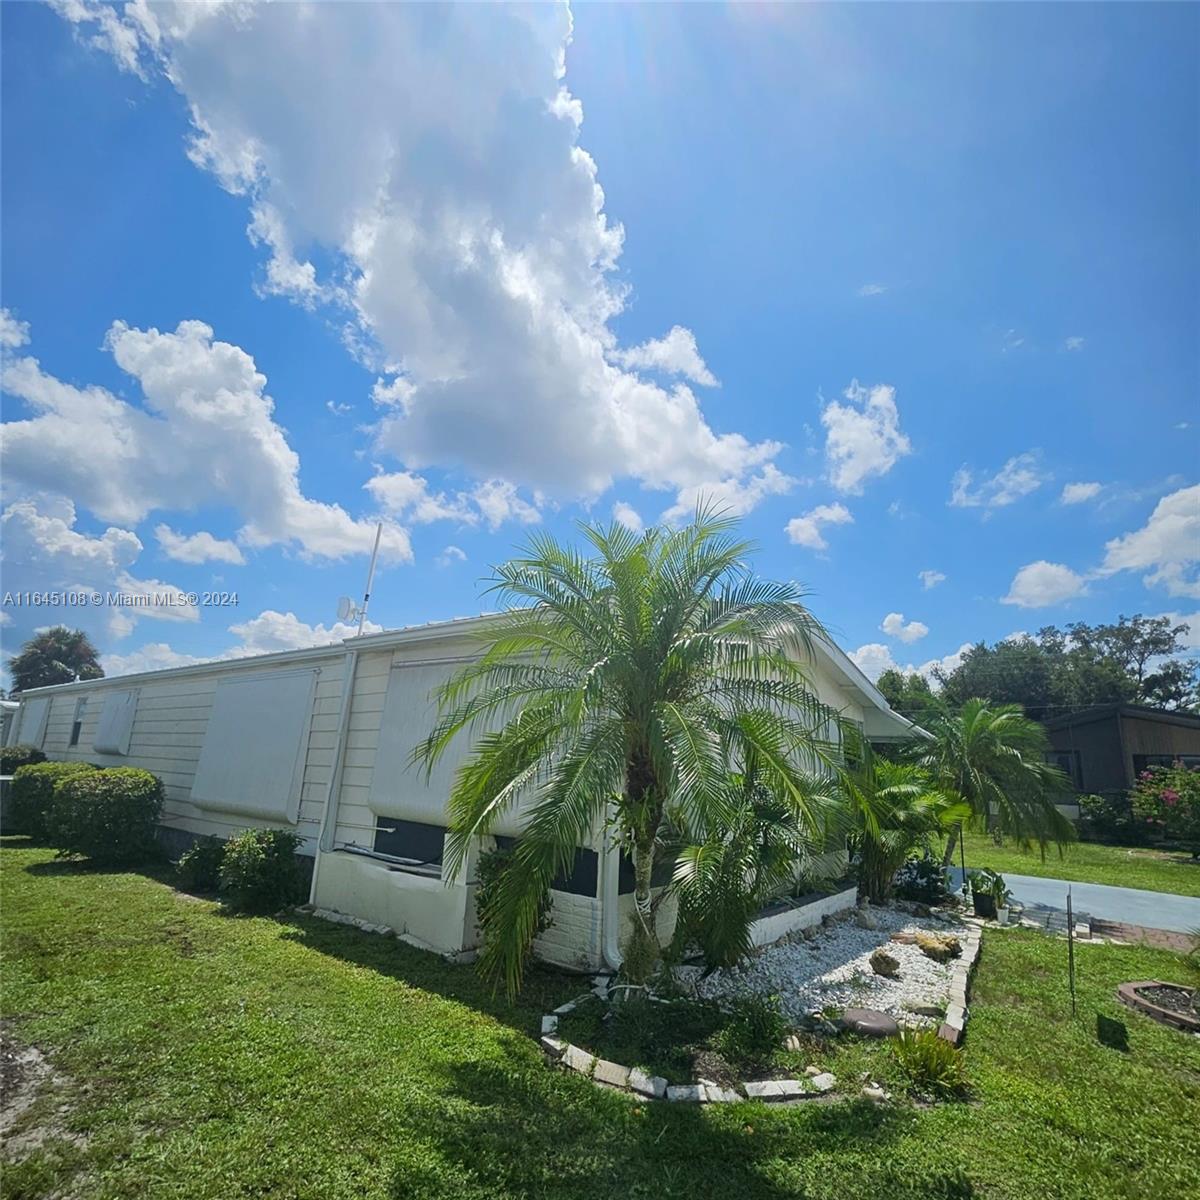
{"points": [[1167, 800]]}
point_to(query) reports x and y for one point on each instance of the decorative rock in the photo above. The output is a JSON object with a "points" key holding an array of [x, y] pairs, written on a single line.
{"points": [[874, 1092], [941, 947], [869, 1022], [686, 1093], [715, 1094], [654, 1086], [925, 1010], [792, 1042], [765, 1089], [611, 1073], [812, 1071], [885, 964], [824, 1082], [553, 1046], [578, 1060], [793, 1089], [864, 920], [550, 1024], [904, 938]]}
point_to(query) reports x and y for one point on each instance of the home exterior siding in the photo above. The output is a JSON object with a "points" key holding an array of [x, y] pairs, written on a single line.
{"points": [[355, 782]]}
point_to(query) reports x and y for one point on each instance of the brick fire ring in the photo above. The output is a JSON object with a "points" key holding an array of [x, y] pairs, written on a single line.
{"points": [[1130, 994]]}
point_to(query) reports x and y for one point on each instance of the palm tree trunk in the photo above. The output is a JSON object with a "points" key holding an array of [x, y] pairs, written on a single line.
{"points": [[643, 952], [952, 845]]}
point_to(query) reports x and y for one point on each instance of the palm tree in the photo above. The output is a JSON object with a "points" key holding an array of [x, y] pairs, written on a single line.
{"points": [[618, 691], [56, 655], [994, 758], [895, 808]]}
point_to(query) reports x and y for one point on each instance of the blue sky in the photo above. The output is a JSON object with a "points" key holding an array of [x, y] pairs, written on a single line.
{"points": [[893, 281]]}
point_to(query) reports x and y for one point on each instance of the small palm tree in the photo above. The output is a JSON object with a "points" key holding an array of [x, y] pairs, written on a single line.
{"points": [[994, 759], [620, 690], [56, 655], [895, 808]]}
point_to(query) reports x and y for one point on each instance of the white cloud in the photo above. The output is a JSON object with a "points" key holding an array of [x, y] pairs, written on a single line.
{"points": [[406, 495], [736, 497], [874, 658], [1167, 546], [1078, 493], [872, 289], [863, 436], [895, 626], [1039, 584], [207, 435], [268, 633], [675, 354], [13, 333], [930, 579], [1074, 343], [1019, 476], [338, 410], [498, 502], [1190, 639], [450, 556], [805, 530], [627, 515], [198, 547], [44, 552], [433, 158], [1012, 340]]}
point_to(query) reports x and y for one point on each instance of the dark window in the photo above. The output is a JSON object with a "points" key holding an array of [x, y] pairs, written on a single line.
{"points": [[413, 841], [660, 874], [1143, 762], [77, 722], [1067, 761], [580, 880]]}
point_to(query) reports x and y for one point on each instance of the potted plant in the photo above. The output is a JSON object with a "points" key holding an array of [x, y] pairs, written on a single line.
{"points": [[1001, 898], [982, 899]]}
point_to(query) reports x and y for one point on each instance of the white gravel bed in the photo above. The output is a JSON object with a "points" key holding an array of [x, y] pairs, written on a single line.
{"points": [[832, 969]]}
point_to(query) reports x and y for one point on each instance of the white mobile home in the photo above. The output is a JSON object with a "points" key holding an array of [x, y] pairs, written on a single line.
{"points": [[317, 742]]}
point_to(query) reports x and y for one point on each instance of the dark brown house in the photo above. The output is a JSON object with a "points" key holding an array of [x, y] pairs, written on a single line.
{"points": [[1104, 749]]}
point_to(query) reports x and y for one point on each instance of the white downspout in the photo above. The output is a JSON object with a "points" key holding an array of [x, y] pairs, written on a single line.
{"points": [[610, 917], [333, 793]]}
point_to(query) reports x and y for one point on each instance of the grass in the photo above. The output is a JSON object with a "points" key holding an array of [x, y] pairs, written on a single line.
{"points": [[205, 1056], [1089, 862]]}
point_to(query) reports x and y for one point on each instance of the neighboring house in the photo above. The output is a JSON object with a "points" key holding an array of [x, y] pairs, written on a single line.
{"points": [[8, 710], [318, 742], [1104, 749]]}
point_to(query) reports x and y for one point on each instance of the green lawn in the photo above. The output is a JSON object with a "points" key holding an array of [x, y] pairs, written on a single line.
{"points": [[1088, 862], [205, 1056]]}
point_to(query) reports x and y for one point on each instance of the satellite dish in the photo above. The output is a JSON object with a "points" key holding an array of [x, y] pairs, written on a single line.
{"points": [[345, 609]]}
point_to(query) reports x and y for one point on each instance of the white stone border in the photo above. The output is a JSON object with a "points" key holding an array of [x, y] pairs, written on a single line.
{"points": [[954, 1026], [654, 1087]]}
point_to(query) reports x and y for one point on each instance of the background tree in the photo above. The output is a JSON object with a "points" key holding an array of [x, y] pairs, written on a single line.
{"points": [[620, 689], [993, 759], [56, 655], [910, 695]]}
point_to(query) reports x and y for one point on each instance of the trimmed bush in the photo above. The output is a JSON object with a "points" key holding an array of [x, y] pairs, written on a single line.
{"points": [[32, 794], [1109, 819], [107, 816], [259, 872], [933, 1066], [199, 867], [14, 757]]}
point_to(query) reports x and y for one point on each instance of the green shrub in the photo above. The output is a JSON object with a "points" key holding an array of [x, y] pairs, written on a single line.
{"points": [[489, 871], [922, 880], [12, 757], [1109, 819], [755, 1031], [1166, 800], [199, 867], [933, 1066], [32, 793], [259, 872], [107, 816]]}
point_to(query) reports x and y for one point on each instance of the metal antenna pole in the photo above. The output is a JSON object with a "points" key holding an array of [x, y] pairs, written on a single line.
{"points": [[362, 616]]}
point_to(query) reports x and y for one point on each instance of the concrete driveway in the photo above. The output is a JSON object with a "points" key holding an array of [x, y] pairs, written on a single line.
{"points": [[1131, 906]]}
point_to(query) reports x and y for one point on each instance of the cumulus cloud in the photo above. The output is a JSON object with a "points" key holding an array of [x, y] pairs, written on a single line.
{"points": [[1078, 493], [1167, 547], [1074, 343], [450, 556], [895, 626], [198, 547], [432, 157], [735, 497], [874, 658], [206, 435], [805, 530], [1019, 476], [1039, 584], [44, 552], [13, 333], [405, 494], [627, 515], [675, 354], [862, 436], [930, 579]]}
